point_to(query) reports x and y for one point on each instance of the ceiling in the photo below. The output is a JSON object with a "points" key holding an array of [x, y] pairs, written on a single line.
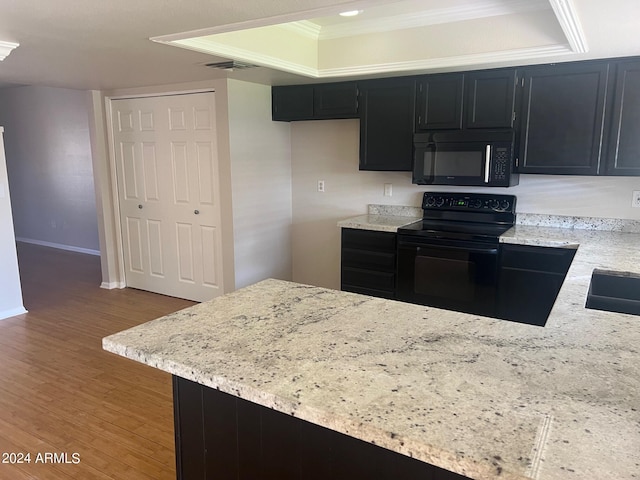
{"points": [[107, 45]]}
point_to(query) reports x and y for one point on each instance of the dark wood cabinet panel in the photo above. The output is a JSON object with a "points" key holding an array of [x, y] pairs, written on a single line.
{"points": [[490, 99], [335, 100], [439, 102], [563, 118], [530, 278], [314, 102], [386, 124], [238, 439], [189, 430], [368, 262], [623, 156], [293, 102]]}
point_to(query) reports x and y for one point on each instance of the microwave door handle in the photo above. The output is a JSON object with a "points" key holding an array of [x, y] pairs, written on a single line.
{"points": [[487, 163]]}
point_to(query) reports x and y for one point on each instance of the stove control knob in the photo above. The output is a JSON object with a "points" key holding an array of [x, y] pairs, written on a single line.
{"points": [[475, 203], [430, 201], [493, 204], [504, 205], [439, 201]]}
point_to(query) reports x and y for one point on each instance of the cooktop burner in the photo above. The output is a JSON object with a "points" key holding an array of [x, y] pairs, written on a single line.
{"points": [[473, 216]]}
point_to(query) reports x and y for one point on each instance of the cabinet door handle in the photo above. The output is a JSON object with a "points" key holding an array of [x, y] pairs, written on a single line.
{"points": [[196, 212], [487, 163], [140, 206]]}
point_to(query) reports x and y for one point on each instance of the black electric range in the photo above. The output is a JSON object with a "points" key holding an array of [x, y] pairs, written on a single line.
{"points": [[449, 259]]}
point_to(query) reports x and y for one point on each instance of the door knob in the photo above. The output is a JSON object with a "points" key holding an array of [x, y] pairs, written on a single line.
{"points": [[196, 212]]}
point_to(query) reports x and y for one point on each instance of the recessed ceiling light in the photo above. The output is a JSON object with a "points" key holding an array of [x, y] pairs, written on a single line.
{"points": [[350, 13]]}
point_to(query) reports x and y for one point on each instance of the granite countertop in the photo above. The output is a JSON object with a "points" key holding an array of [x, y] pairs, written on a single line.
{"points": [[482, 397], [380, 223]]}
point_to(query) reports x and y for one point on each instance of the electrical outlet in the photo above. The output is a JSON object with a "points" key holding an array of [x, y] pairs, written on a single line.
{"points": [[321, 185], [388, 189], [635, 199]]}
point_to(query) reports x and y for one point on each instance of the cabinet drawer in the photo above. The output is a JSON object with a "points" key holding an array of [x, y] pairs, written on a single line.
{"points": [[368, 240], [534, 258], [369, 260], [368, 278]]}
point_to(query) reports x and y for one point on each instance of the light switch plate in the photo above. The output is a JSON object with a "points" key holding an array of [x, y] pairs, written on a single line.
{"points": [[388, 189], [635, 199]]}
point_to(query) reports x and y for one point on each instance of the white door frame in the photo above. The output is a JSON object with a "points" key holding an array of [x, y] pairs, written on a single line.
{"points": [[111, 245]]}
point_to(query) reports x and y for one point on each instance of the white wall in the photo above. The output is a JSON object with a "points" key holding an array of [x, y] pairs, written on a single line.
{"points": [[261, 185], [50, 165], [10, 289], [328, 150]]}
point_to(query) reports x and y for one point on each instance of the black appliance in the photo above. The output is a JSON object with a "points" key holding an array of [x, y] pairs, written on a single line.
{"points": [[449, 259], [482, 158]]}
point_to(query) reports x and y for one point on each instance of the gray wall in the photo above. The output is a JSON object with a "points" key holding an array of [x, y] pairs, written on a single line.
{"points": [[50, 166]]}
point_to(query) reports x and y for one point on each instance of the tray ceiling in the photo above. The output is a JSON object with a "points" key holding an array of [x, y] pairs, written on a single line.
{"points": [[400, 36]]}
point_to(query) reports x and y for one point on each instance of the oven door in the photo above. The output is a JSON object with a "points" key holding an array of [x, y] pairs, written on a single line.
{"points": [[450, 274]]}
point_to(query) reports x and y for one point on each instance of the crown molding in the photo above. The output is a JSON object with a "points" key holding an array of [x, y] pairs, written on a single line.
{"points": [[6, 48], [303, 27], [448, 62], [485, 58], [570, 23], [480, 9]]}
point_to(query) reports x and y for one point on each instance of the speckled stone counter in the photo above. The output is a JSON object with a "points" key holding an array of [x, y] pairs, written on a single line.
{"points": [[381, 223], [482, 397]]}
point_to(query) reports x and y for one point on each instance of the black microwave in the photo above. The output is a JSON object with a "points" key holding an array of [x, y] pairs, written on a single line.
{"points": [[479, 158]]}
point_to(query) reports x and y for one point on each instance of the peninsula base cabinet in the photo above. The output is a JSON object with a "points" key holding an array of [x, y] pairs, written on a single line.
{"points": [[530, 279], [222, 437]]}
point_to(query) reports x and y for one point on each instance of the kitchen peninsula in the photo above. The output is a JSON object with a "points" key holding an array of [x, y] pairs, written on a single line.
{"points": [[482, 397]]}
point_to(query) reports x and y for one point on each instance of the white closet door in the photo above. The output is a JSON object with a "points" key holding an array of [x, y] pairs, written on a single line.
{"points": [[168, 188]]}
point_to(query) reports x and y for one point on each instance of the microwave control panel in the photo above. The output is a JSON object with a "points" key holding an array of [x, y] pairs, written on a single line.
{"points": [[500, 163]]}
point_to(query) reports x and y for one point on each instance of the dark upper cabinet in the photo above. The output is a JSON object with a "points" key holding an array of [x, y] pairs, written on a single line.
{"points": [[439, 102], [623, 155], [293, 102], [335, 100], [562, 118], [314, 102], [490, 99], [453, 101], [386, 124]]}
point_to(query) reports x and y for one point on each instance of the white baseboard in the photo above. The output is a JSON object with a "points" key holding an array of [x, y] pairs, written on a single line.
{"points": [[12, 312], [59, 246], [112, 285]]}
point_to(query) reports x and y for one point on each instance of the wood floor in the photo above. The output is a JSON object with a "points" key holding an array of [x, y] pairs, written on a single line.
{"points": [[61, 393]]}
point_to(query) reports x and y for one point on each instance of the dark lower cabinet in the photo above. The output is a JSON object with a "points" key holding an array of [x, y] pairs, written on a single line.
{"points": [[368, 263], [530, 278], [222, 437]]}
